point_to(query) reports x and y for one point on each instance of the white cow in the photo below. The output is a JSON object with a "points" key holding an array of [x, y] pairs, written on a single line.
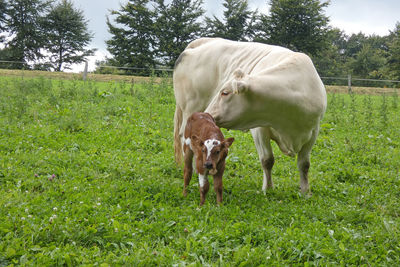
{"points": [[274, 92]]}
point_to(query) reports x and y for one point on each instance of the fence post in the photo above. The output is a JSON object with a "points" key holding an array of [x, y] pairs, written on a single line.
{"points": [[349, 83], [85, 71]]}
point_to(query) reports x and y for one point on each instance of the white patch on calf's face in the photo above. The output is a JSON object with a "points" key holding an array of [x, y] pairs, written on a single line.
{"points": [[210, 144]]}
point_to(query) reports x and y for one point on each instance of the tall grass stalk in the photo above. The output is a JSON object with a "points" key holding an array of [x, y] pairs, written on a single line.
{"points": [[383, 111], [395, 99]]}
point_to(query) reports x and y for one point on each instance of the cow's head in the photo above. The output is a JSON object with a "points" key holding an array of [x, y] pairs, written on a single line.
{"points": [[232, 104], [211, 152]]}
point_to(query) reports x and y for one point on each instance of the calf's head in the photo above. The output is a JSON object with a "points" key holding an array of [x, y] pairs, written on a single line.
{"points": [[211, 152]]}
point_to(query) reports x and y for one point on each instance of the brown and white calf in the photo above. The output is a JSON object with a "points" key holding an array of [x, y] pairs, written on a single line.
{"points": [[205, 141]]}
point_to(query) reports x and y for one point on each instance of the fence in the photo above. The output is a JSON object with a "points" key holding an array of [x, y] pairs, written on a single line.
{"points": [[349, 81], [152, 71]]}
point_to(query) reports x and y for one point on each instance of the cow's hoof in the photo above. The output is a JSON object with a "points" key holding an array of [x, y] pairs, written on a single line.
{"points": [[306, 193]]}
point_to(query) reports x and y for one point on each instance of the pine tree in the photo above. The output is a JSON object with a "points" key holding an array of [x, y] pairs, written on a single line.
{"points": [[394, 52], [300, 25], [237, 23], [24, 24], [67, 35], [3, 13], [132, 42], [177, 24]]}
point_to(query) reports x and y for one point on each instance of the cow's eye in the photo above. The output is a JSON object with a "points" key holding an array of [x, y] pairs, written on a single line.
{"points": [[224, 93]]}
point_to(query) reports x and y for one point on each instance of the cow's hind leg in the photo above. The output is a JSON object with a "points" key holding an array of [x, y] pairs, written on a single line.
{"points": [[303, 163], [188, 169], [263, 145]]}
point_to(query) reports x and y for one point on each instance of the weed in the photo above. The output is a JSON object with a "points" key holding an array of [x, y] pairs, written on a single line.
{"points": [[353, 108], [395, 99], [383, 111]]}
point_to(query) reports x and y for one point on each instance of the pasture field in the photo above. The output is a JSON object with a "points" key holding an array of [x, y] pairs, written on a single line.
{"points": [[87, 177]]}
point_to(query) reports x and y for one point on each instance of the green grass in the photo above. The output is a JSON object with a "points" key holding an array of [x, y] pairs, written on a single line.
{"points": [[87, 177]]}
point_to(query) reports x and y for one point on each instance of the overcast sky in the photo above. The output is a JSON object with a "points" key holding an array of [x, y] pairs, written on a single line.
{"points": [[352, 16]]}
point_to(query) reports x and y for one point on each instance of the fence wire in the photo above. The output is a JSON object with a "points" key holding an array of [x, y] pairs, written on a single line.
{"points": [[140, 71]]}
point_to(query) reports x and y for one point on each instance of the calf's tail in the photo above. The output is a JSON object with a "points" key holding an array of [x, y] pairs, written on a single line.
{"points": [[177, 138]]}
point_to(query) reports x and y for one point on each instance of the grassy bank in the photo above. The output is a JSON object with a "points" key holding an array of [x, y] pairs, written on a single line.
{"points": [[87, 177]]}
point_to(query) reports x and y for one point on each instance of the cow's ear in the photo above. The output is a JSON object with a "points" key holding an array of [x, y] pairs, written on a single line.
{"points": [[239, 74], [228, 142], [239, 86]]}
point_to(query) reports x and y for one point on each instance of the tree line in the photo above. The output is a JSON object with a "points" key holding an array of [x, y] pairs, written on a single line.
{"points": [[55, 34], [149, 34]]}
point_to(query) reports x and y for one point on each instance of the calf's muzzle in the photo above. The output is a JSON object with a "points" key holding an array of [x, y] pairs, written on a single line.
{"points": [[208, 165]]}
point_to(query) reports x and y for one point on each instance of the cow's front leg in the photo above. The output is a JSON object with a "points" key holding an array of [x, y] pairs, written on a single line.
{"points": [[265, 154], [204, 186], [188, 169]]}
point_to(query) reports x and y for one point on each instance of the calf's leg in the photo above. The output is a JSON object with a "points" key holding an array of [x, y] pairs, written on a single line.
{"points": [[218, 187], [204, 186], [188, 169], [265, 154]]}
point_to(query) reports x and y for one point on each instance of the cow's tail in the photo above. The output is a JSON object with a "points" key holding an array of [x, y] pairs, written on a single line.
{"points": [[177, 138]]}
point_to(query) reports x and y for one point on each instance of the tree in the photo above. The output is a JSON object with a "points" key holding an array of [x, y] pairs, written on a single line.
{"points": [[24, 25], [330, 61], [237, 23], [366, 56], [3, 12], [394, 52], [368, 62], [354, 44], [67, 35], [132, 43], [300, 25], [176, 25]]}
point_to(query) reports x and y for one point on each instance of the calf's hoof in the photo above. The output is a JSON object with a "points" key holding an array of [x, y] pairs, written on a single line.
{"points": [[267, 188]]}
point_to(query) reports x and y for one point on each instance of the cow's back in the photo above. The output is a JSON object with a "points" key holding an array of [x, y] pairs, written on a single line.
{"points": [[207, 63]]}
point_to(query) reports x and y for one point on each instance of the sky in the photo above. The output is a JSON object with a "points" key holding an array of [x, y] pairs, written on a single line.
{"points": [[351, 16]]}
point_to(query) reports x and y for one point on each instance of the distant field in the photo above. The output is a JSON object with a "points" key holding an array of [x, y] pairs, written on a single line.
{"points": [[87, 177], [71, 76], [109, 77]]}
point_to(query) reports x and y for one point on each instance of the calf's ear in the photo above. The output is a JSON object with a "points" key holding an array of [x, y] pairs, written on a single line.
{"points": [[228, 142]]}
